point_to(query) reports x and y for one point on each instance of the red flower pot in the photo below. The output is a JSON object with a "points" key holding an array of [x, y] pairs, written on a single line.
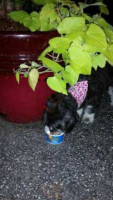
{"points": [[18, 102], [20, 47]]}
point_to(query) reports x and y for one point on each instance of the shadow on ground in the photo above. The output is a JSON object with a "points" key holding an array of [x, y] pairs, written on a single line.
{"points": [[79, 169]]}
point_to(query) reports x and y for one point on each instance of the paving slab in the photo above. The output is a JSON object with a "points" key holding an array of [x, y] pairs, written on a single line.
{"points": [[81, 168]]}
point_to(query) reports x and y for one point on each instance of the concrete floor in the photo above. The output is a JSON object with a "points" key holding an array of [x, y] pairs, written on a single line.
{"points": [[81, 168]]}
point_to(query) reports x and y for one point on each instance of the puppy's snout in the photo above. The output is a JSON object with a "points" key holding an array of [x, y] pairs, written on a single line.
{"points": [[51, 128]]}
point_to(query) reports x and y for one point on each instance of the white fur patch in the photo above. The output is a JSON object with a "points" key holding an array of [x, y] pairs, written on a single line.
{"points": [[80, 111], [110, 92], [47, 130], [88, 116]]}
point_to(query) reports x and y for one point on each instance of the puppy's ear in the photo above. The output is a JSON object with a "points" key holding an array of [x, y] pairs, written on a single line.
{"points": [[53, 100], [70, 103]]}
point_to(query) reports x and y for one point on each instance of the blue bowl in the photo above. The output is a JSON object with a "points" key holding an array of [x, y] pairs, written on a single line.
{"points": [[54, 139]]}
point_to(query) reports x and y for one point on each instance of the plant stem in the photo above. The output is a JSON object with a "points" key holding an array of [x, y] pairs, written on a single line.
{"points": [[46, 71], [54, 58]]}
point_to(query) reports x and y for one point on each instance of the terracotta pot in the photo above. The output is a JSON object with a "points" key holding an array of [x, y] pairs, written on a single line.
{"points": [[18, 103]]}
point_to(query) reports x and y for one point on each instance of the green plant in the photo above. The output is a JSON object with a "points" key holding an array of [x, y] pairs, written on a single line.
{"points": [[83, 46], [84, 43], [18, 2], [52, 13], [31, 71]]}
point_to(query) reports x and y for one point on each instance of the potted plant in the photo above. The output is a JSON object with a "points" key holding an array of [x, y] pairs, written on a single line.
{"points": [[72, 44], [18, 103], [87, 43]]}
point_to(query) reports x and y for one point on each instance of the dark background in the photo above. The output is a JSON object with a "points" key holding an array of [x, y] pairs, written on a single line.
{"points": [[109, 3], [94, 9]]}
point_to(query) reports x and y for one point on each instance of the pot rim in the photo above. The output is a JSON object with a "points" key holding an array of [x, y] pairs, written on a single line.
{"points": [[27, 32]]}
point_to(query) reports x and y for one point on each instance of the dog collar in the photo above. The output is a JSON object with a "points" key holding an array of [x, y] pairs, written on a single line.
{"points": [[79, 91]]}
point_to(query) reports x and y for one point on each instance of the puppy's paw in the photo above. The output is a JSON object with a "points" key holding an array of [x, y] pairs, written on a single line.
{"points": [[110, 92], [88, 116]]}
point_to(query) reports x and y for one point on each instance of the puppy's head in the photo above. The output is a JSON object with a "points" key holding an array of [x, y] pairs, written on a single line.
{"points": [[60, 114]]}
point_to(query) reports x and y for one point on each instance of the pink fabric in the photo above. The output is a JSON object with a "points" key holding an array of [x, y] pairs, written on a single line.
{"points": [[79, 91]]}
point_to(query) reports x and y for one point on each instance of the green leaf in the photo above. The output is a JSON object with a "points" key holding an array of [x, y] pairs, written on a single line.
{"points": [[104, 10], [69, 75], [27, 21], [65, 57], [69, 24], [33, 78], [59, 44], [32, 23], [18, 16], [78, 42], [74, 35], [109, 54], [98, 60], [46, 26], [57, 84], [43, 2], [24, 66], [26, 75], [34, 64], [95, 39], [46, 11], [102, 22], [80, 60], [49, 18], [87, 17], [47, 50], [84, 5], [17, 2], [52, 65], [34, 14], [109, 34], [17, 75], [64, 12]]}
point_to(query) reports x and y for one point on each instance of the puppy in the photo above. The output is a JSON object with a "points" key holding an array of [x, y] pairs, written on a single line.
{"points": [[82, 101]]}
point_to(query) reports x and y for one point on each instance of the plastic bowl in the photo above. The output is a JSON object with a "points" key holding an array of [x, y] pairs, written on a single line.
{"points": [[54, 138]]}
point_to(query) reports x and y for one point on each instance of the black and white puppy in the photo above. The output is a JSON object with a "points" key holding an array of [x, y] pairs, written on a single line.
{"points": [[63, 111]]}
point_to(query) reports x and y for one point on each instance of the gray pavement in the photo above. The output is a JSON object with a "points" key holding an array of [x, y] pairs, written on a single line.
{"points": [[81, 168]]}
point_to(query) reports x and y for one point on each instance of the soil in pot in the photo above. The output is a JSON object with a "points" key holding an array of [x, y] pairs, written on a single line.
{"points": [[8, 25]]}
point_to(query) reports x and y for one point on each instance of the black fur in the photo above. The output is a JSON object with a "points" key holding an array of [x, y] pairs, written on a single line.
{"points": [[61, 112]]}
